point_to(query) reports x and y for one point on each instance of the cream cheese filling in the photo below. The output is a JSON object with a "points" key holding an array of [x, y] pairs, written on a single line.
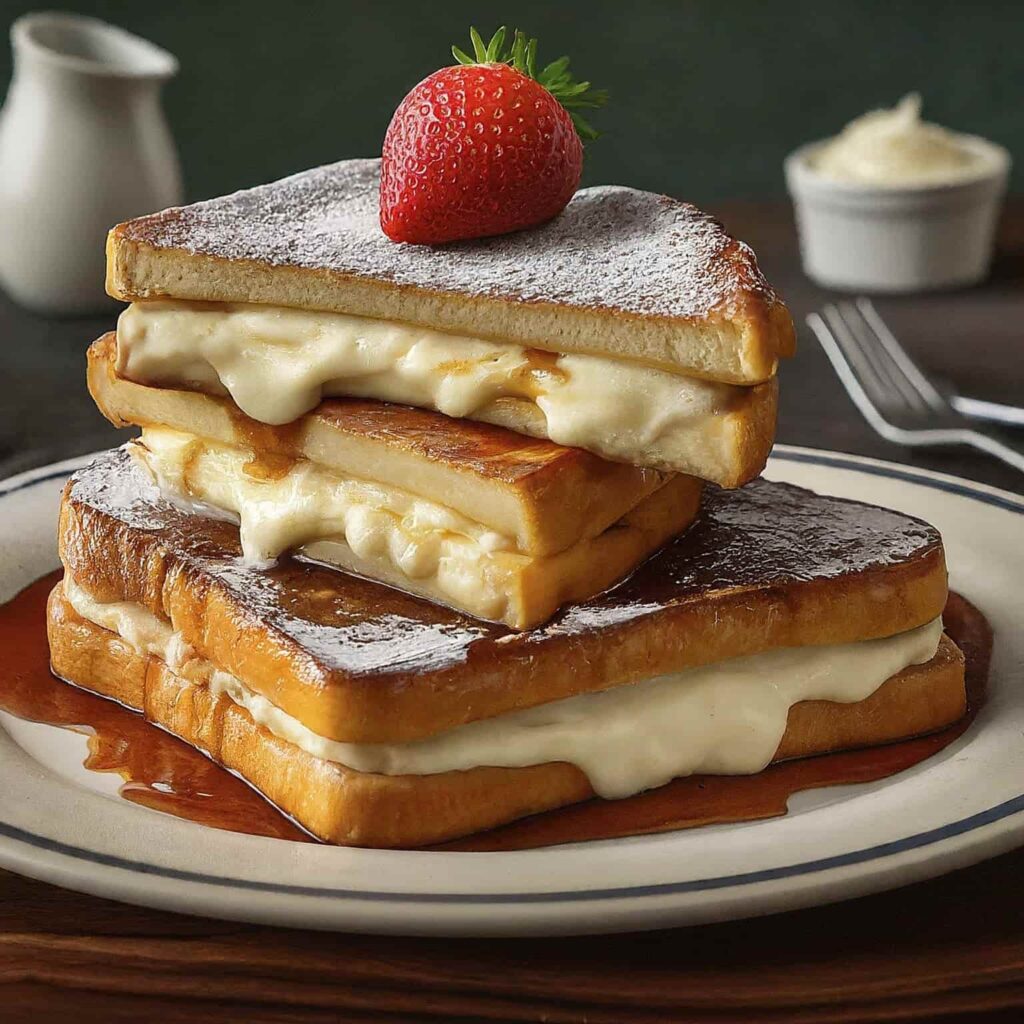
{"points": [[277, 363], [724, 719], [305, 505]]}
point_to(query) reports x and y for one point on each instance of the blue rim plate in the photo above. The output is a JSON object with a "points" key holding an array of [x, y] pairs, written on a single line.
{"points": [[63, 824]]}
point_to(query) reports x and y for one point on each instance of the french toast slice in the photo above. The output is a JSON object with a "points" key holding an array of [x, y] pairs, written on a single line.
{"points": [[348, 807], [545, 496], [400, 539], [623, 273], [278, 364], [765, 567]]}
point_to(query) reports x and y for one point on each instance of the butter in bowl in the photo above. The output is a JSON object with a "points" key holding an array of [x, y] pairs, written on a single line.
{"points": [[896, 204]]}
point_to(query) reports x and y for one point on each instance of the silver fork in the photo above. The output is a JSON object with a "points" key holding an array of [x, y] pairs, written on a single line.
{"points": [[893, 395]]}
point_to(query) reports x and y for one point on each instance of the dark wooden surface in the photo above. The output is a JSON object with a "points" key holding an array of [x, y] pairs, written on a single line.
{"points": [[948, 947], [947, 950]]}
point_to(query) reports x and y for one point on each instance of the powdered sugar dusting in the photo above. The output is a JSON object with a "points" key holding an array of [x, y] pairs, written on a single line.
{"points": [[766, 538], [327, 620], [612, 248]]}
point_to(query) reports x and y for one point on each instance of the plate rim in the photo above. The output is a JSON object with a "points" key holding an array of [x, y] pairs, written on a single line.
{"points": [[962, 827]]}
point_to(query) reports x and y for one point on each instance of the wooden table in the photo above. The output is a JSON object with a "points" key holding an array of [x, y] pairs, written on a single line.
{"points": [[951, 949]]}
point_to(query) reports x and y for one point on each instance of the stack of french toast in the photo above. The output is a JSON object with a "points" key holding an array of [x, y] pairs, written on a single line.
{"points": [[421, 540]]}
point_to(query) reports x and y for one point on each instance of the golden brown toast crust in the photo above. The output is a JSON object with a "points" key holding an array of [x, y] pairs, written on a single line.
{"points": [[768, 566], [359, 809], [731, 449], [620, 272], [551, 496], [537, 590]]}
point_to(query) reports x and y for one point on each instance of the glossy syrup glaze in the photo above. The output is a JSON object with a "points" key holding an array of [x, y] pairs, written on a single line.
{"points": [[158, 771], [718, 799], [162, 773], [562, 493], [490, 452], [763, 539], [272, 448]]}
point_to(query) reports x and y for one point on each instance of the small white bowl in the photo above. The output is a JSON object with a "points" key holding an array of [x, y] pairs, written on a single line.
{"points": [[856, 237]]}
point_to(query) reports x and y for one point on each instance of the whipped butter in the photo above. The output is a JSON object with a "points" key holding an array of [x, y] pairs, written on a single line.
{"points": [[725, 719], [278, 363], [895, 148]]}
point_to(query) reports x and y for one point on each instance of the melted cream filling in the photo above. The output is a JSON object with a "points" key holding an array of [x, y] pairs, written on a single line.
{"points": [[724, 719], [277, 363], [306, 505]]}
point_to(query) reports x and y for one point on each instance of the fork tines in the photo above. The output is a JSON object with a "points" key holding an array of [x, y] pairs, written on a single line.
{"points": [[893, 395], [886, 372]]}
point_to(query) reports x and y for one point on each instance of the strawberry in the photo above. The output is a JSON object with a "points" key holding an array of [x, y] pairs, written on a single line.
{"points": [[484, 147]]}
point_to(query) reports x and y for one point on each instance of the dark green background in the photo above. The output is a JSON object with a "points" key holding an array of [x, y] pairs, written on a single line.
{"points": [[707, 97]]}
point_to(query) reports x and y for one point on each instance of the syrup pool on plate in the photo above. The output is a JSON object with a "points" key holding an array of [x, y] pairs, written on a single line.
{"points": [[163, 773]]}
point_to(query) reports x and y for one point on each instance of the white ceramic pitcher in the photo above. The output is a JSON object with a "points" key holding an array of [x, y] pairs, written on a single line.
{"points": [[83, 144]]}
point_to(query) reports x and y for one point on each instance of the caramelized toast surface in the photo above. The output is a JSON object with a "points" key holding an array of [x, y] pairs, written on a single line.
{"points": [[530, 590], [619, 272], [354, 808], [545, 495], [768, 566]]}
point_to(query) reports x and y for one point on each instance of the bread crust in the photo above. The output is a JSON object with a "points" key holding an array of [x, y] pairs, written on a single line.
{"points": [[545, 495], [620, 272], [730, 450], [352, 808], [537, 589], [768, 566]]}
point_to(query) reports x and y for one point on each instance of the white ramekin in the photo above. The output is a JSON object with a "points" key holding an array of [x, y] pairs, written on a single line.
{"points": [[857, 237]]}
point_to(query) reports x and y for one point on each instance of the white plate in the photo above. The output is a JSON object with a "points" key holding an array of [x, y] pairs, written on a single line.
{"points": [[65, 825]]}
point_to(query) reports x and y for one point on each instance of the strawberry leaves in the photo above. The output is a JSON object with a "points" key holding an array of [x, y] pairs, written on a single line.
{"points": [[521, 54]]}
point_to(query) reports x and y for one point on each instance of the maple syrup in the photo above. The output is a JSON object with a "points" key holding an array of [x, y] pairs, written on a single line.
{"points": [[273, 450], [163, 773], [159, 771]]}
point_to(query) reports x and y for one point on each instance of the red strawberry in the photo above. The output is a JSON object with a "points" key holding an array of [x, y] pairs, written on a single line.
{"points": [[484, 147]]}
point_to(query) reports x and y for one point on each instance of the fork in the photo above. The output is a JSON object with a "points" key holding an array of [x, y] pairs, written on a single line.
{"points": [[893, 395]]}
